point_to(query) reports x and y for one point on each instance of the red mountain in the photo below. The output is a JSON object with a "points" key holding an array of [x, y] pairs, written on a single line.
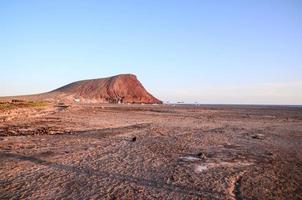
{"points": [[124, 88]]}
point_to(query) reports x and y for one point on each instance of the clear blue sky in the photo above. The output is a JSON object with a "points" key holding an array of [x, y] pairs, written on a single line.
{"points": [[211, 51]]}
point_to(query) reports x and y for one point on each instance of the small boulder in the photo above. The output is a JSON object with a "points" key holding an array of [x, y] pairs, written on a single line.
{"points": [[258, 136], [201, 155]]}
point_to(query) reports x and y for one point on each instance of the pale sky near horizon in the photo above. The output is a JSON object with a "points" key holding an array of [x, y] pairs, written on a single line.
{"points": [[204, 51]]}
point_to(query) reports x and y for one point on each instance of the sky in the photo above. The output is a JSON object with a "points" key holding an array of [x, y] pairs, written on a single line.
{"points": [[205, 51]]}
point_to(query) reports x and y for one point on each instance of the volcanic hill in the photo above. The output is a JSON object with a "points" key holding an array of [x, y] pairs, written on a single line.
{"points": [[123, 88]]}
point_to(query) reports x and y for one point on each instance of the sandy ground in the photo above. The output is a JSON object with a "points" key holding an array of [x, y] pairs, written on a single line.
{"points": [[151, 152]]}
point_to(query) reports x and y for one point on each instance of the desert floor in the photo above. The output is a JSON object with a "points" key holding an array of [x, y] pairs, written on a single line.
{"points": [[151, 152]]}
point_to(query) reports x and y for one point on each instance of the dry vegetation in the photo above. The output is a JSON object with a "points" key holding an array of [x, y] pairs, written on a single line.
{"points": [[17, 104]]}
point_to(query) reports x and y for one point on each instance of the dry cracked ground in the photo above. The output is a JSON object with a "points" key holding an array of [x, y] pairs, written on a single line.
{"points": [[151, 152]]}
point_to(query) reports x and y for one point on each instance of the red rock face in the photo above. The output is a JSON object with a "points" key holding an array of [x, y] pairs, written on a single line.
{"points": [[123, 88]]}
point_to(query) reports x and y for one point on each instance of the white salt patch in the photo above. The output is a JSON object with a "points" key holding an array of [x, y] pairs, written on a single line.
{"points": [[189, 158], [77, 100], [200, 168]]}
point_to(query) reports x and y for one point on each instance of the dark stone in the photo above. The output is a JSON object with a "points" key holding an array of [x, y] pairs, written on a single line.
{"points": [[201, 155], [258, 136]]}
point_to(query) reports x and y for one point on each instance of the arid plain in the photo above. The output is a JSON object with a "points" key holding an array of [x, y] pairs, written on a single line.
{"points": [[112, 151]]}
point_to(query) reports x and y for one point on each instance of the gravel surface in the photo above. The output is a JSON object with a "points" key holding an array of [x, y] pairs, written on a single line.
{"points": [[153, 152]]}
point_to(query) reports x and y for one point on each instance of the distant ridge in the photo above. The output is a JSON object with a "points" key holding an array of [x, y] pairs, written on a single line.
{"points": [[123, 88]]}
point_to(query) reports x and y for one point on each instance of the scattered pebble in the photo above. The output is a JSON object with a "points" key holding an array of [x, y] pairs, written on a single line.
{"points": [[258, 136], [201, 155]]}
